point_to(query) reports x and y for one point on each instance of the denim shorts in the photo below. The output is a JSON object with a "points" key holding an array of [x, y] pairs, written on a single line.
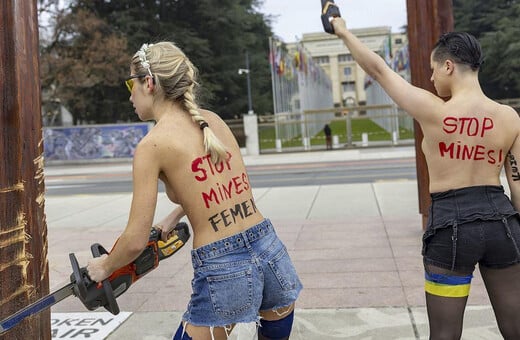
{"points": [[471, 225], [240, 275]]}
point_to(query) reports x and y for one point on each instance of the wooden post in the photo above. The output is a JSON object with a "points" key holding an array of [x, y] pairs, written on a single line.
{"points": [[24, 275], [427, 20]]}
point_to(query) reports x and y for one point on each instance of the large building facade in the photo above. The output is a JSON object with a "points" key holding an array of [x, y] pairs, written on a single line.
{"points": [[348, 80]]}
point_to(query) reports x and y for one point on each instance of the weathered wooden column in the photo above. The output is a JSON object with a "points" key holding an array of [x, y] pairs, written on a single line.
{"points": [[23, 231], [427, 20]]}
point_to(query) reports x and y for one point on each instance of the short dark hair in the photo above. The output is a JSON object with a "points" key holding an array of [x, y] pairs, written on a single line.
{"points": [[461, 47]]}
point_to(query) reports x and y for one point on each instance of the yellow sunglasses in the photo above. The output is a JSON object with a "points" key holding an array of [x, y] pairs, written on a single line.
{"points": [[130, 81]]}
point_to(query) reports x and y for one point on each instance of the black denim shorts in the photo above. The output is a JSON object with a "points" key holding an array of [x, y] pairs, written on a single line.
{"points": [[471, 225]]}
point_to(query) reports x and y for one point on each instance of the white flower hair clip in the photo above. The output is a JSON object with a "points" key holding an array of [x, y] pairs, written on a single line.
{"points": [[142, 57]]}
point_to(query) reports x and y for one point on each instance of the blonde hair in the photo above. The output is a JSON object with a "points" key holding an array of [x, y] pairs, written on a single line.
{"points": [[175, 78]]}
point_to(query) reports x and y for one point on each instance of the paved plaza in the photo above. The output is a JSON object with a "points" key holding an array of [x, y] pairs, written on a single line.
{"points": [[356, 248]]}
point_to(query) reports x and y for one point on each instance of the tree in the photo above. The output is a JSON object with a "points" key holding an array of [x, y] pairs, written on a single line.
{"points": [[496, 24], [83, 66], [214, 34]]}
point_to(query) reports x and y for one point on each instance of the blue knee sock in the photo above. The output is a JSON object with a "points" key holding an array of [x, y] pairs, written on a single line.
{"points": [[277, 329], [179, 336]]}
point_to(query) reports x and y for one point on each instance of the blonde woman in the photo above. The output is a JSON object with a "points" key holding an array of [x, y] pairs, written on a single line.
{"points": [[242, 272], [468, 138]]}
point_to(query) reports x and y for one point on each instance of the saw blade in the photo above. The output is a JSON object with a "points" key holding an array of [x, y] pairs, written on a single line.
{"points": [[36, 307]]}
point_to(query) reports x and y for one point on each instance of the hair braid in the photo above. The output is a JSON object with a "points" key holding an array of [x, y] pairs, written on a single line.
{"points": [[176, 80], [212, 144]]}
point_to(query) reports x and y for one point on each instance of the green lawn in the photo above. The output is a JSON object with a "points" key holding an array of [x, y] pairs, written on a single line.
{"points": [[339, 127]]}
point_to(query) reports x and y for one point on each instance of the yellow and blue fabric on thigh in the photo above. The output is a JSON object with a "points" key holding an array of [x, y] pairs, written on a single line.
{"points": [[447, 285]]}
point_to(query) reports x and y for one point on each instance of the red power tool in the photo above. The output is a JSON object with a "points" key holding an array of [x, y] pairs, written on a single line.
{"points": [[94, 295]]}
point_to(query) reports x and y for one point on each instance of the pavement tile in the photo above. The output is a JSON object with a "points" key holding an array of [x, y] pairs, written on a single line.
{"points": [[69, 305], [352, 297], [345, 232], [344, 200], [404, 240], [345, 265], [392, 202], [355, 246], [274, 204], [164, 325], [133, 301], [351, 280], [341, 253], [329, 242], [359, 323], [413, 250], [414, 264], [414, 295]]}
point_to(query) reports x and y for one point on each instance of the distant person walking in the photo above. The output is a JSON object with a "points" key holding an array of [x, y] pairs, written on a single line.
{"points": [[468, 139], [328, 136]]}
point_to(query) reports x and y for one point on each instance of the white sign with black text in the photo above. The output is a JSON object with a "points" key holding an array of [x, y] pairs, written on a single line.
{"points": [[92, 326]]}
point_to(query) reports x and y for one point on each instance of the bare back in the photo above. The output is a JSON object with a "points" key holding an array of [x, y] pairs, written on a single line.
{"points": [[216, 198], [467, 141]]}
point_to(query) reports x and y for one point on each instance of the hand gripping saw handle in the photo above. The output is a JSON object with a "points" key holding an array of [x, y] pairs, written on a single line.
{"points": [[329, 10], [94, 295]]}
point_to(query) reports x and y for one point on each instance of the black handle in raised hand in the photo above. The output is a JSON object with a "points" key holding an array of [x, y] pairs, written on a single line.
{"points": [[329, 10], [112, 306]]}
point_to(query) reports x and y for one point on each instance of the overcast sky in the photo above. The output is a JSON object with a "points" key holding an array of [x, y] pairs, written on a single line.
{"points": [[295, 17]]}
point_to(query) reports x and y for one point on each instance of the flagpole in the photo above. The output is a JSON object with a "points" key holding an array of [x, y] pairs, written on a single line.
{"points": [[273, 85]]}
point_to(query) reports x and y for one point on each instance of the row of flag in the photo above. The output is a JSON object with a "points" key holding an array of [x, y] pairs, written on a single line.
{"points": [[288, 64], [399, 61], [299, 85]]}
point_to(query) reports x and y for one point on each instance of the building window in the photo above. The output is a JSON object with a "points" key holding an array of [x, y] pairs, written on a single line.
{"points": [[345, 57], [347, 71], [348, 86], [322, 59], [398, 41]]}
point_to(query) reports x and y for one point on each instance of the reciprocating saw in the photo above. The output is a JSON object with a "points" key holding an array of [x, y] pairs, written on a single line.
{"points": [[94, 295]]}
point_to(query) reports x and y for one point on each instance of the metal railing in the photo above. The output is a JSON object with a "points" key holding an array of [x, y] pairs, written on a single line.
{"points": [[355, 126]]}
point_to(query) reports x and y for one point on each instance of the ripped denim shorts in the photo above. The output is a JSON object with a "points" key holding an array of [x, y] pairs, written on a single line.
{"points": [[240, 275], [471, 225]]}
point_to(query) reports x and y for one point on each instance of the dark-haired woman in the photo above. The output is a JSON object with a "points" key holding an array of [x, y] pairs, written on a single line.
{"points": [[468, 139], [242, 271]]}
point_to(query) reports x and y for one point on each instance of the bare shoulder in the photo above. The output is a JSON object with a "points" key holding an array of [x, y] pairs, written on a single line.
{"points": [[221, 129], [216, 123], [146, 148], [508, 114], [149, 140], [210, 115], [509, 111], [156, 141]]}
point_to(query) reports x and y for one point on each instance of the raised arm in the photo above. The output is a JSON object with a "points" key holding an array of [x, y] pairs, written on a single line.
{"points": [[416, 101]]}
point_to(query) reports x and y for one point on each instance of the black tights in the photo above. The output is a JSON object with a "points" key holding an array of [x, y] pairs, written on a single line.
{"points": [[446, 314]]}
